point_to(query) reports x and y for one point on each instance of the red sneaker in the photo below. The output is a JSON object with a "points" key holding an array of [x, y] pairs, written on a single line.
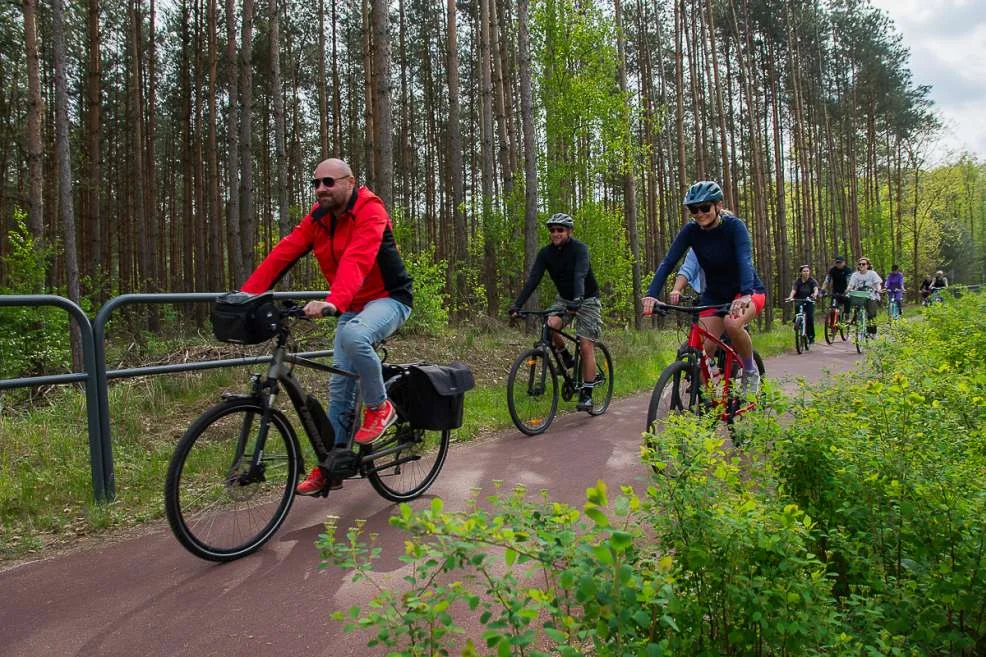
{"points": [[375, 422], [314, 485]]}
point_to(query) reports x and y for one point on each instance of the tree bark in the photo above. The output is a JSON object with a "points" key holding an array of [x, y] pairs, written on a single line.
{"points": [[35, 115], [63, 157], [383, 142]]}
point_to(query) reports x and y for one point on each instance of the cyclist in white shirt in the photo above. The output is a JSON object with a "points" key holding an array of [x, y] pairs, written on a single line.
{"points": [[865, 279]]}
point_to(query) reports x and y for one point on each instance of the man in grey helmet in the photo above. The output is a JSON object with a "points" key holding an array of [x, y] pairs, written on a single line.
{"points": [[566, 260]]}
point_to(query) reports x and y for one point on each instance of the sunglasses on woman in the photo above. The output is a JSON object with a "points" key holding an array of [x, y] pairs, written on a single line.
{"points": [[700, 209]]}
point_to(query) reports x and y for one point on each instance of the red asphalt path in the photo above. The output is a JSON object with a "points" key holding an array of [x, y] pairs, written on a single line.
{"points": [[147, 596]]}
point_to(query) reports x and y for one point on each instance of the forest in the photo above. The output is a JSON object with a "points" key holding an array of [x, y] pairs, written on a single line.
{"points": [[165, 145]]}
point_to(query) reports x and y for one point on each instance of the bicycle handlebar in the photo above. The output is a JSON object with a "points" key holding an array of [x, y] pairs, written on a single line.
{"points": [[662, 308], [538, 313]]}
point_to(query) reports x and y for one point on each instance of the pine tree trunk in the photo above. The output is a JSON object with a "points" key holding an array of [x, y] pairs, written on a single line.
{"points": [[383, 129], [63, 158], [530, 147], [35, 115]]}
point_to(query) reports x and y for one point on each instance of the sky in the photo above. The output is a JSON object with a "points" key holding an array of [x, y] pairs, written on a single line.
{"points": [[947, 40]]}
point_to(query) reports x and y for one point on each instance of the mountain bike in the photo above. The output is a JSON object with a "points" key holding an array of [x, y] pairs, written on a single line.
{"points": [[231, 479], [695, 382], [860, 329], [893, 306], [532, 386], [835, 322], [801, 342]]}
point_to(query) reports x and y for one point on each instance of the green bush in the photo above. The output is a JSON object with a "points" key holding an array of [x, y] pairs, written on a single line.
{"points": [[430, 312], [34, 340], [852, 527]]}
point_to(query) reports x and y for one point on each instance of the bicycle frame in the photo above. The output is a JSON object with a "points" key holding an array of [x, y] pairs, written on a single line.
{"points": [[555, 362], [697, 337], [317, 428], [799, 313]]}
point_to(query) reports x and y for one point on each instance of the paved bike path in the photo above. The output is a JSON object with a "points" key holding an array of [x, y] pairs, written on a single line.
{"points": [[148, 596]]}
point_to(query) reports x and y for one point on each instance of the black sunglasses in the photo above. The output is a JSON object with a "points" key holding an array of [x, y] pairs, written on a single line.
{"points": [[556, 229], [327, 181], [703, 208]]}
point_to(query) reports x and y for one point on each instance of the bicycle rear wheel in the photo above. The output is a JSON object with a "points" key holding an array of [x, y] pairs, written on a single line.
{"points": [[674, 393], [602, 391], [532, 392], [798, 325], [412, 463], [217, 507]]}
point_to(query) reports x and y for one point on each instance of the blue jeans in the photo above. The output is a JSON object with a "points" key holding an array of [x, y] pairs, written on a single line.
{"points": [[356, 334]]}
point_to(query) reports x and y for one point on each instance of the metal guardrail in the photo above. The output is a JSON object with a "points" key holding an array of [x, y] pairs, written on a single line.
{"points": [[96, 376], [96, 441]]}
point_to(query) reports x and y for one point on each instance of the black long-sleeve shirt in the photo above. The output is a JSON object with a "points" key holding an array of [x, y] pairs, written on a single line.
{"points": [[569, 268]]}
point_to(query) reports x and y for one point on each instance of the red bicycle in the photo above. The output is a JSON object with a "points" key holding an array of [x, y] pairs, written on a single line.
{"points": [[835, 322], [696, 382]]}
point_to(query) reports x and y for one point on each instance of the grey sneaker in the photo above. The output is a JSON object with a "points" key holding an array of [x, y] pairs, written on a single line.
{"points": [[751, 384]]}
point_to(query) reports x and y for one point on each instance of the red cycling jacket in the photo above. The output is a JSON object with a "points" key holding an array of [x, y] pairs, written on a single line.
{"points": [[355, 250]]}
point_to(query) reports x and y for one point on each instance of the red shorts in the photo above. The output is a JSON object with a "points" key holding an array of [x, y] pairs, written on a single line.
{"points": [[759, 300]]}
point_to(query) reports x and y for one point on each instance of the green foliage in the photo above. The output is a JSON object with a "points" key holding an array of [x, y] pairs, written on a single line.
{"points": [[853, 529], [430, 312], [889, 465], [34, 340]]}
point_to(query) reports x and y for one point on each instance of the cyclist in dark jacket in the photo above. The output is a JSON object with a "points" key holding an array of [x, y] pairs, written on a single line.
{"points": [[566, 260], [721, 242], [806, 287]]}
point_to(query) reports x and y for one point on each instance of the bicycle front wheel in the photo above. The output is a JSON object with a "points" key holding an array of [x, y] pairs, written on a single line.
{"points": [[409, 462], [675, 392], [219, 505], [532, 392], [797, 334], [831, 327], [860, 333], [602, 391]]}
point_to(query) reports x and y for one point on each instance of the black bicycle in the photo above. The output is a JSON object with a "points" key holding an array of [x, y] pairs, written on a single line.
{"points": [[532, 386], [231, 480]]}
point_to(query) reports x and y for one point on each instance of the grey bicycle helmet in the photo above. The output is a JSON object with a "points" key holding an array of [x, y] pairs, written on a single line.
{"points": [[561, 219], [704, 191]]}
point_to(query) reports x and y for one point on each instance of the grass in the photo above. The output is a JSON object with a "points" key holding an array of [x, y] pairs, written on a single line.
{"points": [[45, 476]]}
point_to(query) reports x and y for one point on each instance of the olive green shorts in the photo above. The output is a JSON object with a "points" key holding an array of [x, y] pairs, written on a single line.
{"points": [[588, 320]]}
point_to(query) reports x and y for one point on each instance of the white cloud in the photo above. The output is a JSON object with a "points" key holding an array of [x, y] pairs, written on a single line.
{"points": [[947, 40]]}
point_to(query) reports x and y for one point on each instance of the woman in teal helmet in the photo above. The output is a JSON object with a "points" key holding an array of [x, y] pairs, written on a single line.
{"points": [[722, 245]]}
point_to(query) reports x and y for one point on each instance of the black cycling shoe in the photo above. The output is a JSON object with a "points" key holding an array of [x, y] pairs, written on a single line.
{"points": [[585, 401]]}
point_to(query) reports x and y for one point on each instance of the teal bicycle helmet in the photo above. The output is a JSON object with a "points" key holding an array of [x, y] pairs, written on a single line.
{"points": [[704, 191]]}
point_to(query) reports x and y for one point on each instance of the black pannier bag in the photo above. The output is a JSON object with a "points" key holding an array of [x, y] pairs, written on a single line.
{"points": [[431, 396], [245, 318]]}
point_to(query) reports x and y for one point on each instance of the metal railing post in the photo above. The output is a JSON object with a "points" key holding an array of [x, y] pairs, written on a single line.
{"points": [[98, 441]]}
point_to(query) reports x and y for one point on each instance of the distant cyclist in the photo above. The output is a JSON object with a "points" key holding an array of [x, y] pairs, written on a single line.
{"points": [[836, 281], [895, 287], [926, 286], [567, 262], [941, 281], [805, 288], [867, 280], [722, 246]]}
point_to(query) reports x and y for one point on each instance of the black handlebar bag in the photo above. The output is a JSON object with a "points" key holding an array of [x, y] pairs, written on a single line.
{"points": [[432, 396], [243, 318]]}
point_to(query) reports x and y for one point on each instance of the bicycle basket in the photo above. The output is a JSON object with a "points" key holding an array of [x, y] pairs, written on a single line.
{"points": [[432, 396], [245, 318], [858, 297]]}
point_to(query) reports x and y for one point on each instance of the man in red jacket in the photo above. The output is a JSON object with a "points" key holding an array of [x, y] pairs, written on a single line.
{"points": [[350, 233]]}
